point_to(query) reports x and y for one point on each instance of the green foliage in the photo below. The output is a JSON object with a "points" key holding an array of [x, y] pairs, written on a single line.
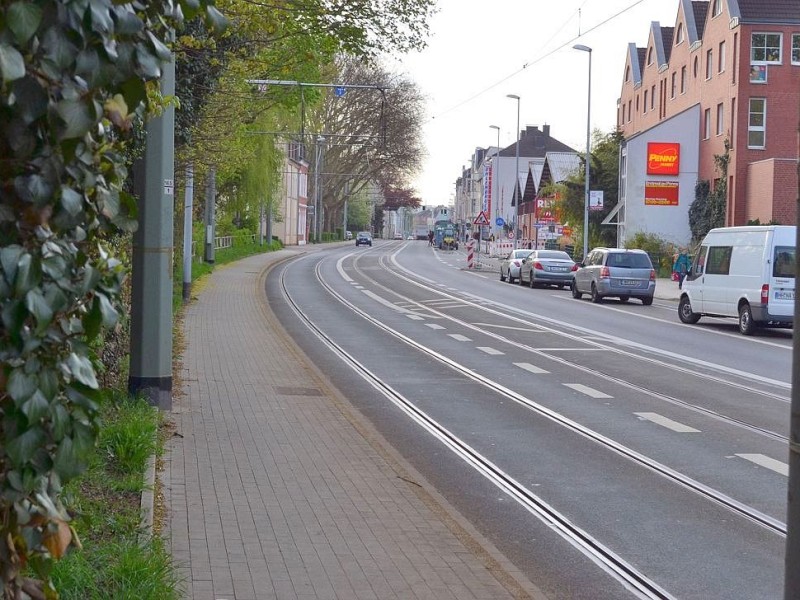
{"points": [[659, 250], [75, 78], [113, 562], [709, 207]]}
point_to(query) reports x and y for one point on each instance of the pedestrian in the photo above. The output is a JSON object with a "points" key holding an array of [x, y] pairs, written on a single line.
{"points": [[681, 266], [430, 238]]}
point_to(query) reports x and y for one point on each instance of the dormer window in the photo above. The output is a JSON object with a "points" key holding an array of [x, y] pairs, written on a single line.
{"points": [[650, 56], [716, 8], [628, 73], [679, 34]]}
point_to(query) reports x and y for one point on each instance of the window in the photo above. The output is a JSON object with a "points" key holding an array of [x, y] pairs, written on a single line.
{"points": [[756, 125], [645, 101], [628, 73], [622, 121], [673, 85], [652, 97], [683, 79], [716, 8], [709, 63], [796, 48], [679, 34], [765, 48], [719, 260], [629, 112], [707, 124], [783, 261], [720, 118], [721, 58], [637, 103], [650, 56], [733, 122]]}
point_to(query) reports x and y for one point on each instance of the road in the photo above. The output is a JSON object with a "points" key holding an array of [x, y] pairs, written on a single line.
{"points": [[607, 449]]}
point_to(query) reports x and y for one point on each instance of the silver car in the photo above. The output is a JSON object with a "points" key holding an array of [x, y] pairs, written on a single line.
{"points": [[547, 267], [615, 272], [509, 266]]}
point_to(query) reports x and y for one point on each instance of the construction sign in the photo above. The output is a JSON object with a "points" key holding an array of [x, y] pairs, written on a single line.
{"points": [[481, 219]]}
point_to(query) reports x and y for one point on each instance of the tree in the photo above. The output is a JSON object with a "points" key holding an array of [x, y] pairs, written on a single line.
{"points": [[75, 78], [710, 206]]}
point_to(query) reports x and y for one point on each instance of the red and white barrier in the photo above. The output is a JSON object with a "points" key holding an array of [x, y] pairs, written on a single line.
{"points": [[471, 254]]}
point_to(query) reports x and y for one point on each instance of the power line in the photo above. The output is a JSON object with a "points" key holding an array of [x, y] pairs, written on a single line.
{"points": [[535, 61]]}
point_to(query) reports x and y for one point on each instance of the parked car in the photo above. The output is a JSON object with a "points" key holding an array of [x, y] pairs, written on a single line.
{"points": [[363, 238], [398, 236], [745, 273], [348, 235], [547, 267], [620, 272], [510, 265]]}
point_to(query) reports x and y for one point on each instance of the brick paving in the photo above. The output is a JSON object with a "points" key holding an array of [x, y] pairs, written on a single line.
{"points": [[276, 487]]}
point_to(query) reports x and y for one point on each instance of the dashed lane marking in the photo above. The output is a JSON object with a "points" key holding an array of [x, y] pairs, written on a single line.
{"points": [[434, 326], [767, 462], [490, 350], [459, 338], [585, 389], [531, 368], [666, 422]]}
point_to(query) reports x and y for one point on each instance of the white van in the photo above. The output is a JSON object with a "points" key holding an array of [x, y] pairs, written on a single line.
{"points": [[743, 272]]}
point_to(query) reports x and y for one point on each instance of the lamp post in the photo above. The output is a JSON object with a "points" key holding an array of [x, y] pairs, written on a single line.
{"points": [[496, 177], [583, 48], [516, 176]]}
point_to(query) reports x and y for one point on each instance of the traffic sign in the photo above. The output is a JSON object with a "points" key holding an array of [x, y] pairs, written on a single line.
{"points": [[481, 219], [511, 235], [499, 221]]}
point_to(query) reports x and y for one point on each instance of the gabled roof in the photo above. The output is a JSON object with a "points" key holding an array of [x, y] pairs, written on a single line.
{"points": [[699, 14], [635, 61], [535, 143], [765, 11], [662, 42], [667, 35], [562, 165]]}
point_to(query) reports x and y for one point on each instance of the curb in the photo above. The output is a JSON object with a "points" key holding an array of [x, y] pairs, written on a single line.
{"points": [[148, 500]]}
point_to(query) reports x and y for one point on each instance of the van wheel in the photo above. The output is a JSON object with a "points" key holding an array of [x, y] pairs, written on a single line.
{"points": [[624, 298], [747, 326], [574, 289], [685, 313], [647, 300], [596, 297]]}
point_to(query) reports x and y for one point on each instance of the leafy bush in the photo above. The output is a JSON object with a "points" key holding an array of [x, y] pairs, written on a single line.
{"points": [[659, 250]]}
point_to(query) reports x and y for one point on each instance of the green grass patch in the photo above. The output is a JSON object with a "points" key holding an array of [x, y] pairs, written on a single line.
{"points": [[105, 504]]}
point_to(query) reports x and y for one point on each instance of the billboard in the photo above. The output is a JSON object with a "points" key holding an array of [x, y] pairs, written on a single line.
{"points": [[663, 158], [661, 193]]}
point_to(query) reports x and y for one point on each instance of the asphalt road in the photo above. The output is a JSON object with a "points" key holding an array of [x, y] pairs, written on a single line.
{"points": [[607, 449]]}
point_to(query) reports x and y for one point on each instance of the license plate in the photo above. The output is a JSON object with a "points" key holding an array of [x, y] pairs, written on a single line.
{"points": [[784, 294], [559, 269], [630, 282]]}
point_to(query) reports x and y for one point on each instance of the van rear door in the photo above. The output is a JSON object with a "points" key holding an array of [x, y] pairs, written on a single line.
{"points": [[781, 282]]}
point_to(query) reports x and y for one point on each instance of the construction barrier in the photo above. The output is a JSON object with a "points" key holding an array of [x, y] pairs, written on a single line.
{"points": [[471, 254]]}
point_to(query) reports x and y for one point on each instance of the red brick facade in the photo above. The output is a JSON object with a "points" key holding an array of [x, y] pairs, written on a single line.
{"points": [[716, 59]]}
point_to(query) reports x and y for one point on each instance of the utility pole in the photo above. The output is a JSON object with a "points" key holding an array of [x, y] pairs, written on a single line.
{"points": [[188, 208], [210, 225], [151, 281]]}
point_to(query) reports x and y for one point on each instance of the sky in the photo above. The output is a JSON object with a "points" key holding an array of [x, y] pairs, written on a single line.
{"points": [[478, 52]]}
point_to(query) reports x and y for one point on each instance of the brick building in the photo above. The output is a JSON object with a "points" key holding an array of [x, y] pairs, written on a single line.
{"points": [[726, 75]]}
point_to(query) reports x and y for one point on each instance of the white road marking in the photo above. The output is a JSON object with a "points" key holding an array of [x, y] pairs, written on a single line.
{"points": [[385, 302], [665, 422], [531, 368], [767, 462], [416, 317], [434, 326], [489, 350], [585, 389], [459, 338], [514, 327]]}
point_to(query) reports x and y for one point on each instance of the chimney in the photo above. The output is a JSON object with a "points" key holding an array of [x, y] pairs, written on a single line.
{"points": [[546, 130]]}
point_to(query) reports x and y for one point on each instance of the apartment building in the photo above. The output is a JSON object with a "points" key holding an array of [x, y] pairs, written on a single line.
{"points": [[723, 81]]}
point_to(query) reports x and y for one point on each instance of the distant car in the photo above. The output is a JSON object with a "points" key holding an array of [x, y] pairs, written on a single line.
{"points": [[618, 272], [547, 267], [348, 235], [364, 238], [510, 265], [410, 237], [398, 236]]}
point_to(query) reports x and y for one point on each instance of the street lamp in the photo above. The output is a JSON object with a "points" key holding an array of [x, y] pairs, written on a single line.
{"points": [[496, 177], [583, 48], [516, 175]]}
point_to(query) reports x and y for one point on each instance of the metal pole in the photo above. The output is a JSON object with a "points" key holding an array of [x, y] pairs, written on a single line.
{"points": [[515, 196], [210, 233], [792, 564], [188, 207], [317, 191], [151, 282], [583, 48]]}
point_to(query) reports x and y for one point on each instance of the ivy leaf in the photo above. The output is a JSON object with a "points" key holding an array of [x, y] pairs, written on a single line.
{"points": [[23, 20], [37, 305], [27, 276], [107, 310], [31, 99], [22, 448], [67, 463], [71, 200], [9, 258], [76, 117], [21, 385], [162, 52], [35, 407], [216, 19], [82, 370], [149, 65], [92, 320], [12, 65]]}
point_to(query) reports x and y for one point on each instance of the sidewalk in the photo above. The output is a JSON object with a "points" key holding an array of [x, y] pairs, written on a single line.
{"points": [[275, 487]]}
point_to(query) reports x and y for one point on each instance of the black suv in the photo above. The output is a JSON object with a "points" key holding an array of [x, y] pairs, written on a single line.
{"points": [[364, 238]]}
